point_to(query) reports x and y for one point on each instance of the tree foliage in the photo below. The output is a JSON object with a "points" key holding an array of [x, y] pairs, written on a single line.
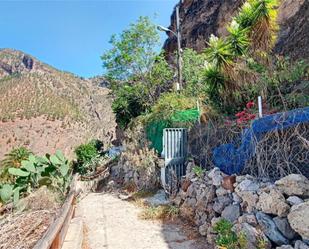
{"points": [[138, 72], [133, 52]]}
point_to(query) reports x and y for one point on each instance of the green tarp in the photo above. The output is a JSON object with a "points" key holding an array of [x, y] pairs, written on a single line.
{"points": [[154, 130]]}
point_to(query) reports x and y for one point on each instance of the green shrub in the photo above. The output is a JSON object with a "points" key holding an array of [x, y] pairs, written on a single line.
{"points": [[129, 103], [199, 171], [227, 238], [87, 156]]}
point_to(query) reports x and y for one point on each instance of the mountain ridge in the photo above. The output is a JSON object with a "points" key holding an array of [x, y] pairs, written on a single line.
{"points": [[63, 109]]}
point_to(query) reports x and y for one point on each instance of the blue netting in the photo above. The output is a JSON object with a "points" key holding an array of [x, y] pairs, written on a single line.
{"points": [[232, 160]]}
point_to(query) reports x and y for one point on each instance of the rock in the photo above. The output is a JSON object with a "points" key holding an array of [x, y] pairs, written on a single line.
{"points": [[284, 227], [213, 172], [247, 185], [205, 198], [221, 191], [228, 183], [185, 184], [189, 168], [285, 247], [158, 199], [217, 180], [249, 200], [248, 218], [294, 200], [300, 245], [191, 192], [231, 213], [299, 219], [294, 184], [253, 235], [270, 229], [273, 202], [177, 200], [236, 198], [220, 203], [215, 220], [203, 229], [200, 19]]}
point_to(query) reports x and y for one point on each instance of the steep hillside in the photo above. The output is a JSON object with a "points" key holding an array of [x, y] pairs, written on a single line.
{"points": [[201, 18], [45, 108]]}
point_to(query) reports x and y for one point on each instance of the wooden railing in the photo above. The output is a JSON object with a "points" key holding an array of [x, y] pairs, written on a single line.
{"points": [[55, 234]]}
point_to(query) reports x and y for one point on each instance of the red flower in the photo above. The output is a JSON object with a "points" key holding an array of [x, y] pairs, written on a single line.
{"points": [[252, 116], [250, 104]]}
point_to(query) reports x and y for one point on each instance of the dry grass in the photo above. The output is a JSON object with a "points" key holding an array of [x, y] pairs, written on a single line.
{"points": [[168, 212], [24, 230], [276, 154]]}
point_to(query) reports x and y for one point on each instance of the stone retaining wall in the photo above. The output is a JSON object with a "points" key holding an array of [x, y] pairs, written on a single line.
{"points": [[277, 213]]}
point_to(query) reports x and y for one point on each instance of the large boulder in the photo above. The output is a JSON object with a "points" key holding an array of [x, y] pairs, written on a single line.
{"points": [[284, 227], [253, 235], [270, 229], [299, 219], [231, 212], [294, 184], [273, 202], [220, 203]]}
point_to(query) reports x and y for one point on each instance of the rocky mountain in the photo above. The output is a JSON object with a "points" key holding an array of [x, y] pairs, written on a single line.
{"points": [[46, 109], [201, 18]]}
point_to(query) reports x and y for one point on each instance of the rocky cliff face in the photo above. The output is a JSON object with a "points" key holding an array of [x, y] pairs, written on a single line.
{"points": [[201, 18]]}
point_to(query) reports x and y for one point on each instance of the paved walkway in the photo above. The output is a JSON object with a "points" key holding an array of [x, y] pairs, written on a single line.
{"points": [[114, 224]]}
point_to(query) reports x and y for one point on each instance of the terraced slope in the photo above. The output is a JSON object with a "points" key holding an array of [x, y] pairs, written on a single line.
{"points": [[44, 108]]}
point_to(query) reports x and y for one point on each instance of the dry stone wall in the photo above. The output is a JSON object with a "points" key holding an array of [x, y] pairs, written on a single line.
{"points": [[275, 212]]}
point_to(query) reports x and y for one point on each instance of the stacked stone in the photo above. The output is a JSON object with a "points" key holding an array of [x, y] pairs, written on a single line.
{"points": [[277, 213]]}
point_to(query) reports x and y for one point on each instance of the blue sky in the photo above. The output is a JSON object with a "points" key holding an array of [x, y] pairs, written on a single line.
{"points": [[71, 35]]}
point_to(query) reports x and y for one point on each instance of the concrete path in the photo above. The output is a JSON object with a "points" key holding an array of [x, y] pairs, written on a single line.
{"points": [[114, 224]]}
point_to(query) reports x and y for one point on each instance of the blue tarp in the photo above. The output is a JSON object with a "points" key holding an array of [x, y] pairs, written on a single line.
{"points": [[232, 160]]}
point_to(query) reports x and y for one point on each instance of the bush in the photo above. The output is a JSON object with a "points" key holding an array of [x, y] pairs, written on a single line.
{"points": [[227, 238], [87, 156], [129, 103]]}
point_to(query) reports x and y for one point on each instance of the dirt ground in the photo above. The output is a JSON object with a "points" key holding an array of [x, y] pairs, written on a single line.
{"points": [[113, 223]]}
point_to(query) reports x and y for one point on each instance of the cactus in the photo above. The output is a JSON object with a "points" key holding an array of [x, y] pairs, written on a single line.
{"points": [[49, 170]]}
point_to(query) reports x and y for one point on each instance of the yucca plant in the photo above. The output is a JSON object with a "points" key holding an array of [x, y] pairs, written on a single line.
{"points": [[214, 80], [219, 52], [260, 17], [238, 39]]}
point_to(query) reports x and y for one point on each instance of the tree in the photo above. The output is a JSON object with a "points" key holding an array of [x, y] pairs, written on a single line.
{"points": [[138, 73], [133, 52]]}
